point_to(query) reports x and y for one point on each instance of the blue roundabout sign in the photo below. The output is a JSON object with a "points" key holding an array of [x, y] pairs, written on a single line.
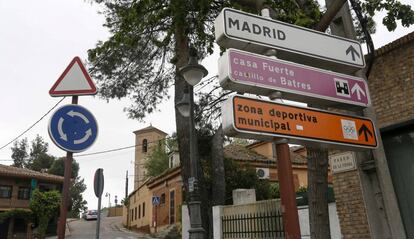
{"points": [[73, 128]]}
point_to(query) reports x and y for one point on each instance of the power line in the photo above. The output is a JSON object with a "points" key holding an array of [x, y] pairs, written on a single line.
{"points": [[118, 149], [35, 123]]}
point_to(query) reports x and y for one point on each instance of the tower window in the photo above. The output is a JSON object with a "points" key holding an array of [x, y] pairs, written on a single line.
{"points": [[144, 145]]}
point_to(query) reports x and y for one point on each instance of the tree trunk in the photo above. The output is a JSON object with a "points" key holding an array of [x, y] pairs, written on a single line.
{"points": [[218, 187], [217, 164], [317, 193], [183, 123]]}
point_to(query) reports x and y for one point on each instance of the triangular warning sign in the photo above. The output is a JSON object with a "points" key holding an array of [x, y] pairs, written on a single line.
{"points": [[75, 80]]}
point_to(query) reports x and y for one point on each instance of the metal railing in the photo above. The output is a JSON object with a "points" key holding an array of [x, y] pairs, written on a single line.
{"points": [[253, 225]]}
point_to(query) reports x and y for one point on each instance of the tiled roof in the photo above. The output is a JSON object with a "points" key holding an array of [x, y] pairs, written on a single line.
{"points": [[240, 152], [10, 171], [149, 128], [395, 44], [164, 175]]}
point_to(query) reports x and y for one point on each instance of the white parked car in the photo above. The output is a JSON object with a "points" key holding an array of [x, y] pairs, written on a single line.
{"points": [[90, 215]]}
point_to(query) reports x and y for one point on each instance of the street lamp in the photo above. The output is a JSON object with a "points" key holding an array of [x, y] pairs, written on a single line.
{"points": [[192, 74], [109, 199]]}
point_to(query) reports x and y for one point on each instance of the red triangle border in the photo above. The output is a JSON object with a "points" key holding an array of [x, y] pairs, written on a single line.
{"points": [[53, 92]]}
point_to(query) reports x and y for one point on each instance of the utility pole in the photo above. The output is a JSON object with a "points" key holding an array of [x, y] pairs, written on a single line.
{"points": [[126, 185], [380, 200]]}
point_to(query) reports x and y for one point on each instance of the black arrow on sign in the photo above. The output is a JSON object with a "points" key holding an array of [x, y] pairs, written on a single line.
{"points": [[353, 52], [364, 129]]}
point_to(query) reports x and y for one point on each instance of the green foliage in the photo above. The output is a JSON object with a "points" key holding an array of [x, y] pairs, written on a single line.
{"points": [[302, 189], [395, 11], [39, 160], [19, 153], [125, 202], [135, 61], [38, 152], [76, 203], [45, 206], [58, 167], [244, 176], [274, 190], [157, 161], [16, 213]]}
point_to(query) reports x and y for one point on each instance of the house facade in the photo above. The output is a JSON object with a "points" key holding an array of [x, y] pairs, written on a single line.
{"points": [[16, 185], [143, 215]]}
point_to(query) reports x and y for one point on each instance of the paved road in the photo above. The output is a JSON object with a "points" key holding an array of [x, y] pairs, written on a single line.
{"points": [[110, 229]]}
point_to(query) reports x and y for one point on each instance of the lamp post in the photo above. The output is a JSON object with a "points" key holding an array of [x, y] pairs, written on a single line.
{"points": [[109, 199], [192, 73]]}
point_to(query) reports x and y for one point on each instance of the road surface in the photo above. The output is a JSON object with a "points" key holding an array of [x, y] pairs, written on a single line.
{"points": [[110, 229]]}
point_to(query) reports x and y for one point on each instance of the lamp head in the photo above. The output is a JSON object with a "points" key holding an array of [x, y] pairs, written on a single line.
{"points": [[193, 72], [183, 106]]}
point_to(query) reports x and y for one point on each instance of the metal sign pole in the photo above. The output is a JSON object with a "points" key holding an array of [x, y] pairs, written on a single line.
{"points": [[287, 190], [66, 185], [98, 186], [98, 222]]}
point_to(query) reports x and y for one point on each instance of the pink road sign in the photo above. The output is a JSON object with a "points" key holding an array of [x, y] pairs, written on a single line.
{"points": [[252, 73]]}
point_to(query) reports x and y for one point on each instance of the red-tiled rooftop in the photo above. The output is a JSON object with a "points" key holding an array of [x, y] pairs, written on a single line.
{"points": [[10, 171]]}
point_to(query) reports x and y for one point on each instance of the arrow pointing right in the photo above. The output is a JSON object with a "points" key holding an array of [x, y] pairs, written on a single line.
{"points": [[364, 129], [353, 52]]}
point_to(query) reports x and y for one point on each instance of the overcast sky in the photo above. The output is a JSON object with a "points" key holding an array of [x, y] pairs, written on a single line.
{"points": [[38, 39]]}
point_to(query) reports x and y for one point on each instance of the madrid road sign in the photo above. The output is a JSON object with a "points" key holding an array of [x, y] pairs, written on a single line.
{"points": [[254, 33], [252, 118], [73, 128], [251, 73], [74, 80]]}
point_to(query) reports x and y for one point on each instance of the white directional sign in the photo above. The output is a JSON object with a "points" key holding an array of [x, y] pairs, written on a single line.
{"points": [[254, 33]]}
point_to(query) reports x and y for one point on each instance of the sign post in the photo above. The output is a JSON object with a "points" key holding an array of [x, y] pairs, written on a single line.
{"points": [[98, 186], [64, 128], [155, 203], [287, 190]]}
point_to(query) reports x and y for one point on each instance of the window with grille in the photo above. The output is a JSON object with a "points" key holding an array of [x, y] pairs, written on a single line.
{"points": [[24, 193], [5, 191]]}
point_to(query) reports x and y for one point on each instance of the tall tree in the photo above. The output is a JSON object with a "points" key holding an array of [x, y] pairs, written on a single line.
{"points": [[19, 153], [76, 203], [39, 159], [157, 161]]}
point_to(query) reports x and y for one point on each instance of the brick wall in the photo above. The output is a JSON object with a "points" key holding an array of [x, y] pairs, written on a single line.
{"points": [[350, 205], [391, 85]]}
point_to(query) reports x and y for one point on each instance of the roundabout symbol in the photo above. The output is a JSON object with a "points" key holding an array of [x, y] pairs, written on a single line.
{"points": [[73, 128]]}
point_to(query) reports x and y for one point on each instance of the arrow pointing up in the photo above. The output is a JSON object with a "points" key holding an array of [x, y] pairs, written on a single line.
{"points": [[353, 52], [356, 88], [364, 129]]}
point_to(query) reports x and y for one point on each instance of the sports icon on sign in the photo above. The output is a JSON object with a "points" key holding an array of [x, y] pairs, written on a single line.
{"points": [[73, 128]]}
